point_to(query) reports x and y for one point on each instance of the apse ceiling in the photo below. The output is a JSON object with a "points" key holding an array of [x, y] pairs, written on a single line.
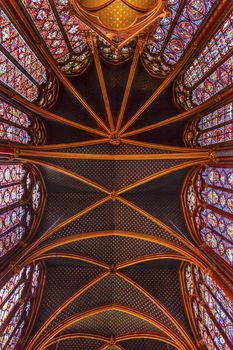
{"points": [[112, 237]]}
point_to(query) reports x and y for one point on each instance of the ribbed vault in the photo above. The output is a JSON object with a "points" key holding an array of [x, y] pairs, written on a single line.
{"points": [[113, 236]]}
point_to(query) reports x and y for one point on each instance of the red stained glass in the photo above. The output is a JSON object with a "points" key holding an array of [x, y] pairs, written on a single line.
{"points": [[71, 26], [14, 43], [15, 307], [16, 80], [45, 21], [20, 203], [18, 127]]}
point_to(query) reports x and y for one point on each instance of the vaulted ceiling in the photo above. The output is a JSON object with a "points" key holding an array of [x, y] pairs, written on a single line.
{"points": [[112, 237]]}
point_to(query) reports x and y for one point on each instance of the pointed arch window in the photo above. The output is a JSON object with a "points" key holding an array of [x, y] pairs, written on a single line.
{"points": [[14, 43], [174, 33], [18, 127], [211, 129], [22, 199], [208, 197], [17, 303], [21, 70], [209, 309], [60, 32], [211, 71]]}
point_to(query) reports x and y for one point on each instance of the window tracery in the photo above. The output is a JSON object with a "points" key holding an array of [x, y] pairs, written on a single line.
{"points": [[210, 72], [21, 69], [208, 196], [14, 43], [17, 298], [22, 197], [18, 127], [16, 80], [174, 33], [211, 129], [60, 32], [209, 308]]}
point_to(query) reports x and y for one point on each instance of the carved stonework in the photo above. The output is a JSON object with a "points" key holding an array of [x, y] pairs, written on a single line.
{"points": [[118, 21]]}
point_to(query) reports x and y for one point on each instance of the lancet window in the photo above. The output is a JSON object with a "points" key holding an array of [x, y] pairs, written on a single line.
{"points": [[60, 32], [214, 128], [209, 309], [22, 197], [17, 303], [211, 72], [208, 197], [18, 127], [174, 34], [21, 70]]}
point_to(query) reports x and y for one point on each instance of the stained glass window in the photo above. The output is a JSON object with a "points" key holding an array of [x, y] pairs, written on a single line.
{"points": [[211, 71], [16, 300], [174, 34], [209, 197], [60, 31], [211, 129], [14, 43], [21, 203], [16, 80], [211, 308], [17, 126], [214, 51], [220, 79]]}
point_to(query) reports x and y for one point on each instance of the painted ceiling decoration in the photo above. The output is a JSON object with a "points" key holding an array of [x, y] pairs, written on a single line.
{"points": [[116, 175]]}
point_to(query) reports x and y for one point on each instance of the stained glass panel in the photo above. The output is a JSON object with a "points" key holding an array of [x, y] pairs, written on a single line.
{"points": [[10, 285], [6, 334], [17, 126], [174, 33], [14, 115], [16, 301], [71, 26], [14, 43], [209, 199], [162, 30], [190, 20], [15, 337], [10, 303], [45, 21], [21, 195], [217, 117], [16, 80], [220, 44], [220, 79], [11, 239], [211, 308], [213, 128]]}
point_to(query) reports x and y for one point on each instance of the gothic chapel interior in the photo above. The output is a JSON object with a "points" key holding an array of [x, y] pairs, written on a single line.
{"points": [[116, 174]]}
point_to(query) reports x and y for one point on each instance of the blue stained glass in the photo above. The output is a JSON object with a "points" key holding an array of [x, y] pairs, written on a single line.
{"points": [[192, 16], [212, 309], [216, 49]]}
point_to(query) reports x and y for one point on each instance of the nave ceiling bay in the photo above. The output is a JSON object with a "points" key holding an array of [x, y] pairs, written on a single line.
{"points": [[116, 176]]}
